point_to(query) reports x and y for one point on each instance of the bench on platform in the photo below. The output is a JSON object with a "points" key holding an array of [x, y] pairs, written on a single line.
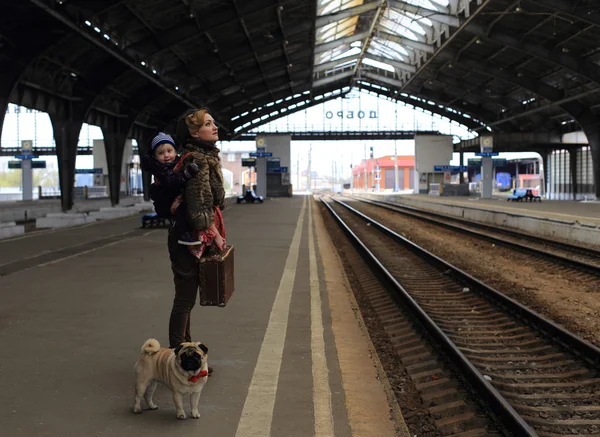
{"points": [[521, 194], [249, 197]]}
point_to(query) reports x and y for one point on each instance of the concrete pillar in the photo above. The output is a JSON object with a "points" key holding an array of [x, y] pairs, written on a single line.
{"points": [[461, 174], [66, 136], [594, 142], [486, 177], [114, 142], [573, 165], [592, 132], [27, 179], [545, 153], [144, 139], [261, 177]]}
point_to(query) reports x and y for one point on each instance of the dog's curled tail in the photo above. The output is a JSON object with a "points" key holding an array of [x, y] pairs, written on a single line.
{"points": [[151, 346]]}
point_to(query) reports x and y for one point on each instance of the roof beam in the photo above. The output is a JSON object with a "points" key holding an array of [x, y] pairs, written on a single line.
{"points": [[330, 79], [113, 52], [556, 96], [432, 15], [444, 112], [427, 48], [288, 112], [235, 54], [181, 33], [334, 17], [584, 68], [581, 12], [447, 42], [396, 84], [331, 64], [322, 48], [396, 64]]}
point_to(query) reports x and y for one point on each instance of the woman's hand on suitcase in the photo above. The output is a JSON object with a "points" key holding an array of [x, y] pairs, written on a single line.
{"points": [[220, 242]]}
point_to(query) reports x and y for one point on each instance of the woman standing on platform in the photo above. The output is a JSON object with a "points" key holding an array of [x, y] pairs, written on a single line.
{"points": [[204, 198]]}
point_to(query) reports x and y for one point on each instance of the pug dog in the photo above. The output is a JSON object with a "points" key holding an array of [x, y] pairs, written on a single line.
{"points": [[183, 370]]}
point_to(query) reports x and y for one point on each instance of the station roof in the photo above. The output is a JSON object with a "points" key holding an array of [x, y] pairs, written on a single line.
{"points": [[492, 65]]}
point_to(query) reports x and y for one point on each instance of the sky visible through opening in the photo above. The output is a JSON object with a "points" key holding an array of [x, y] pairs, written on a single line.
{"points": [[358, 111]]}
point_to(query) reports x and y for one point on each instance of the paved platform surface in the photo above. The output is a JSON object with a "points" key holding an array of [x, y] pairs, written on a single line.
{"points": [[31, 209], [588, 212], [289, 355]]}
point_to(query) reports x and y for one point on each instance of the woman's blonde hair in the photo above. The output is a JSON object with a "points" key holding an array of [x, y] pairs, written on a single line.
{"points": [[195, 119], [190, 123]]}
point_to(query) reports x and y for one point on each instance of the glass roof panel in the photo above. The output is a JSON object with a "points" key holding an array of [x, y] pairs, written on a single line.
{"points": [[330, 6], [389, 49], [338, 30], [414, 26], [378, 64]]}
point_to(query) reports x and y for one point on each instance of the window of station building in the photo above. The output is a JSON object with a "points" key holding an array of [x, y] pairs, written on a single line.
{"points": [[245, 155], [231, 157]]}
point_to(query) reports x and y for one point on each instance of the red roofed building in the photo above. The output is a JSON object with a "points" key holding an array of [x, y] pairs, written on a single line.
{"points": [[406, 169]]}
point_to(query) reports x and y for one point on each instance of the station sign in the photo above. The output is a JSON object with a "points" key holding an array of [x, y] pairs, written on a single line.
{"points": [[500, 162], [450, 168], [16, 165], [248, 162], [487, 154], [88, 171], [279, 170], [261, 154]]}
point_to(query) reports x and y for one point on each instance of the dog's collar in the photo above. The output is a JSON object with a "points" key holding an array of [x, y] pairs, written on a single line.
{"points": [[195, 378]]}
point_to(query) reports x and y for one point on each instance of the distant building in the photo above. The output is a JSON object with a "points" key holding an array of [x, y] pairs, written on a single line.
{"points": [[406, 169], [232, 161]]}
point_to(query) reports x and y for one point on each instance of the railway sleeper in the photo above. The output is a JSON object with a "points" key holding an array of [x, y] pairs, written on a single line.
{"points": [[527, 365], [522, 359]]}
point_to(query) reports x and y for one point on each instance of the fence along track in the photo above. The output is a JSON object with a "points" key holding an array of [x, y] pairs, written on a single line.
{"points": [[554, 388], [567, 256]]}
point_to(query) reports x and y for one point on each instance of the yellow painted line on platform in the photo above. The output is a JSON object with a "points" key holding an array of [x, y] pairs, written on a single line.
{"points": [[257, 414], [321, 389]]}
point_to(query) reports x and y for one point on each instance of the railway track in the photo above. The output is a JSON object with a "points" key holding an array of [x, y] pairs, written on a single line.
{"points": [[528, 374], [566, 256]]}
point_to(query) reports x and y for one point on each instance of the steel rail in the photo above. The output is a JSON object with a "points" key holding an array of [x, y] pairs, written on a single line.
{"points": [[498, 405], [415, 212]]}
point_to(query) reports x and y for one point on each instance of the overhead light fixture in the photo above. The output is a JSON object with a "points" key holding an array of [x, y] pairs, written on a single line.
{"points": [[565, 50]]}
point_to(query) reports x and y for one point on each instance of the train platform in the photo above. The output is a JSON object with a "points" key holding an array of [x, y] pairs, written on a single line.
{"points": [[574, 221], [290, 351], [33, 209]]}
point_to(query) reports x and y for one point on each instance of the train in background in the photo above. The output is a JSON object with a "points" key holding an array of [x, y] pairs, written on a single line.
{"points": [[503, 181]]}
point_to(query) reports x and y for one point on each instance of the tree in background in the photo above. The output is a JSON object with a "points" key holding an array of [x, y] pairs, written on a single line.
{"points": [[41, 177]]}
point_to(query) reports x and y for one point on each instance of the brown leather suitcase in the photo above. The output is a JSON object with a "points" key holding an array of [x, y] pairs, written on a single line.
{"points": [[216, 278]]}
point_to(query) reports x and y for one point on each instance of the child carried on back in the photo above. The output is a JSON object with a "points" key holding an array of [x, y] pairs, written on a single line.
{"points": [[161, 160]]}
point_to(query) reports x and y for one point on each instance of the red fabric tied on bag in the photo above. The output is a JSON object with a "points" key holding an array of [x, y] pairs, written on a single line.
{"points": [[207, 236]]}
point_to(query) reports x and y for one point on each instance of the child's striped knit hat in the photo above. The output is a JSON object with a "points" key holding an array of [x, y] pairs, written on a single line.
{"points": [[162, 138]]}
